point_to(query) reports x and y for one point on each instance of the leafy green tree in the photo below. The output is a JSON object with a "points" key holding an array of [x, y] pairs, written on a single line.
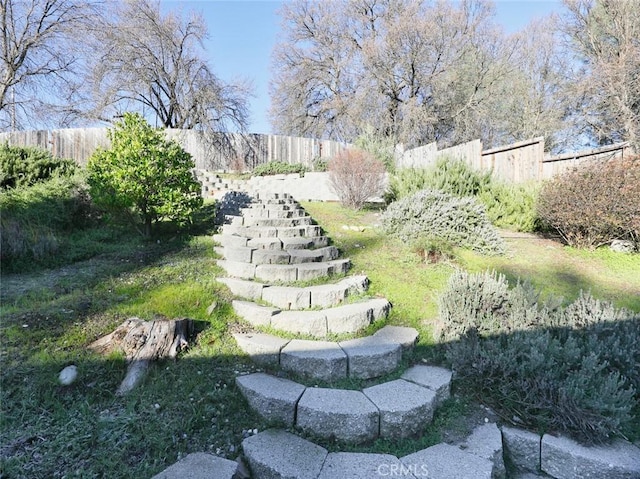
{"points": [[144, 175]]}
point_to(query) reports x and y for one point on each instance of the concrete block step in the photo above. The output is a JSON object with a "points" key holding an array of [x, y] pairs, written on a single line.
{"points": [[279, 454], [285, 273], [230, 240], [405, 408], [445, 461], [302, 242], [278, 222], [253, 313], [199, 465], [318, 255], [263, 349], [360, 465], [486, 441], [275, 399], [370, 357], [237, 269], [338, 414], [432, 377], [349, 318], [327, 360], [316, 359], [243, 288], [310, 271]]}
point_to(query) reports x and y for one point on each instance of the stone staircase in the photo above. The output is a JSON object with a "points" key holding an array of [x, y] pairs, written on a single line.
{"points": [[271, 249], [268, 249]]}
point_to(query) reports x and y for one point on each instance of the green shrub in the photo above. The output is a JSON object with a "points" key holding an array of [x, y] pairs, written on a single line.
{"points": [[144, 176], [512, 206], [34, 217], [449, 175], [571, 370], [319, 165], [279, 168], [507, 206], [25, 166], [381, 148], [428, 213], [594, 204]]}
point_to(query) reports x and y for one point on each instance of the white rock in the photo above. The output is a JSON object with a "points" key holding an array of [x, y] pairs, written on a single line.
{"points": [[68, 375]]}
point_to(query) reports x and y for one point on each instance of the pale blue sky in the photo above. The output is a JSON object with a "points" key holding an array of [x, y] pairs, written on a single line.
{"points": [[243, 32]]}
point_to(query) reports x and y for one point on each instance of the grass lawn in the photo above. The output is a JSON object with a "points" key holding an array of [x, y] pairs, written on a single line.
{"points": [[85, 430]]}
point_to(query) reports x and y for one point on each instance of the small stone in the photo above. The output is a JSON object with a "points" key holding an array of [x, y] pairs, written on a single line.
{"points": [[68, 375]]}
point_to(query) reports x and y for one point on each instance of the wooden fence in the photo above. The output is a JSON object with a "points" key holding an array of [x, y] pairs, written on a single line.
{"points": [[516, 163], [217, 151]]}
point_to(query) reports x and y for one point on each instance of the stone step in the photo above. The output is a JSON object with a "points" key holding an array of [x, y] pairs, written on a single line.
{"points": [[284, 273], [486, 441], [230, 240], [330, 361], [323, 360], [393, 410], [370, 357], [277, 222], [405, 408], [432, 377], [340, 414], [263, 349], [278, 454], [199, 465], [302, 242], [275, 399], [445, 461], [349, 318]]}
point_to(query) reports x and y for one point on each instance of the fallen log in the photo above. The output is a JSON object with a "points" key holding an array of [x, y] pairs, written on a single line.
{"points": [[142, 342]]}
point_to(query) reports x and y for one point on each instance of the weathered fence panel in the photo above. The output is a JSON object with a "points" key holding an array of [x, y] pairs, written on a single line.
{"points": [[210, 151], [515, 163], [558, 164]]}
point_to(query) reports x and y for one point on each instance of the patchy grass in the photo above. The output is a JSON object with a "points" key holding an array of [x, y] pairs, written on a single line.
{"points": [[85, 430]]}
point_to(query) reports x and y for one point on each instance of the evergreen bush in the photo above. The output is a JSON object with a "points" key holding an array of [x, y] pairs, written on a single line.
{"points": [[507, 206], [33, 217], [25, 166], [279, 168], [594, 204], [428, 213], [572, 370]]}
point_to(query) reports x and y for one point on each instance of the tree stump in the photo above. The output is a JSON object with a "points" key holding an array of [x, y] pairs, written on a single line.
{"points": [[142, 342]]}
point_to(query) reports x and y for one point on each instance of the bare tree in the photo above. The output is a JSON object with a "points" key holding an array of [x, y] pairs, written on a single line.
{"points": [[531, 99], [39, 58], [417, 71], [605, 37], [152, 63]]}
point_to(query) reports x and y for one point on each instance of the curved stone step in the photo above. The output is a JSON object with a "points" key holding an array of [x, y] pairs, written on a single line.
{"points": [[200, 464], [348, 318], [405, 408], [279, 454], [276, 453], [393, 410], [291, 297], [329, 361], [432, 377], [317, 359], [285, 273], [340, 414], [275, 399], [263, 349], [448, 462], [370, 357]]}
